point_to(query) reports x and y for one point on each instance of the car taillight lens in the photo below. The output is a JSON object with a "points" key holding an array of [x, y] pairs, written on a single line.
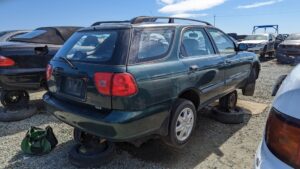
{"points": [[115, 84], [49, 71], [283, 137], [5, 62]]}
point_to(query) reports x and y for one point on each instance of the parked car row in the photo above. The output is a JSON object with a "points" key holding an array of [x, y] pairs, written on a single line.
{"points": [[23, 61]]}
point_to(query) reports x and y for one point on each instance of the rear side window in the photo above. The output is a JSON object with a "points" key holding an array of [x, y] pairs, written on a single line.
{"points": [[224, 44], [195, 43], [95, 46], [151, 44]]}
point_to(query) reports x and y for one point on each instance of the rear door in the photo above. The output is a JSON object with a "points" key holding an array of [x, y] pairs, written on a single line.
{"points": [[204, 67], [237, 67]]}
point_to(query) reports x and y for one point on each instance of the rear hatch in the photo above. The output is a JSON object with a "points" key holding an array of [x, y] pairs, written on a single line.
{"points": [[81, 71]]}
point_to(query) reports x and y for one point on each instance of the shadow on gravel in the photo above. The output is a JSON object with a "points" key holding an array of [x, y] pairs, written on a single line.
{"points": [[40, 118], [208, 137]]}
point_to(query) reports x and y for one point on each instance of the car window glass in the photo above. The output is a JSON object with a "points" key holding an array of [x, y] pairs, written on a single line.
{"points": [[223, 43], [195, 43], [151, 44], [90, 46]]}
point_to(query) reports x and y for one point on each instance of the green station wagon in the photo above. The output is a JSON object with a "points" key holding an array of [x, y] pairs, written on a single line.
{"points": [[124, 81]]}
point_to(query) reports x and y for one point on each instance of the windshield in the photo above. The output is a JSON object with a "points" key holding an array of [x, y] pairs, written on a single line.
{"points": [[93, 46], [294, 37], [257, 37]]}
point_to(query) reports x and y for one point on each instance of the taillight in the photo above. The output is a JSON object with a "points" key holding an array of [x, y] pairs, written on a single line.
{"points": [[115, 84], [49, 71], [283, 137], [6, 62]]}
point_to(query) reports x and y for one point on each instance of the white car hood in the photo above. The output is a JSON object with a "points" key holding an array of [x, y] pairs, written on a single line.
{"points": [[288, 95], [254, 41]]}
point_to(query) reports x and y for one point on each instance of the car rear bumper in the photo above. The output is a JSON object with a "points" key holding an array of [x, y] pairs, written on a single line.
{"points": [[113, 125], [257, 51], [21, 79], [264, 159]]}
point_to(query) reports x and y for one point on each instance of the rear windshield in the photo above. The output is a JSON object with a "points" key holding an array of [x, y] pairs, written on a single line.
{"points": [[30, 35], [95, 46]]}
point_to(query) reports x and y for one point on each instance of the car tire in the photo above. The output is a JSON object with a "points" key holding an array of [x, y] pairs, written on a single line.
{"points": [[249, 88], [91, 160], [229, 101], [7, 115], [236, 116], [183, 114], [262, 55]]}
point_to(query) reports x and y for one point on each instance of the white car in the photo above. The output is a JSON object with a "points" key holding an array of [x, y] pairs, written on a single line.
{"points": [[280, 147], [260, 44]]}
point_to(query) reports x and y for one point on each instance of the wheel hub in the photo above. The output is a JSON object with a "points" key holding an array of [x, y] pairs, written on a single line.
{"points": [[184, 124]]}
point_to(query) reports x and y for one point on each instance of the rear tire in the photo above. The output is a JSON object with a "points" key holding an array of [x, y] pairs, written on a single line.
{"points": [[182, 123]]}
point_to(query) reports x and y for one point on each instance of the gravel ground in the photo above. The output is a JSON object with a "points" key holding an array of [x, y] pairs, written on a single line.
{"points": [[213, 145]]}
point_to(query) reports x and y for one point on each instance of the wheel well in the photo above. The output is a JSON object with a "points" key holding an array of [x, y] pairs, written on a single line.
{"points": [[192, 96]]}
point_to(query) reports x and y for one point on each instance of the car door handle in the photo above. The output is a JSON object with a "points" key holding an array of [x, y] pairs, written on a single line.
{"points": [[194, 68], [228, 61]]}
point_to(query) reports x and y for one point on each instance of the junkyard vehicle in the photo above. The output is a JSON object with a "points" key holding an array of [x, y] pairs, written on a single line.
{"points": [[288, 52], [280, 146], [8, 35], [280, 38], [141, 78], [23, 62], [260, 44]]}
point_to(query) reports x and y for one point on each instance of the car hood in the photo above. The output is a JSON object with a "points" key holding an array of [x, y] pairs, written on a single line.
{"points": [[288, 95], [291, 42], [254, 41]]}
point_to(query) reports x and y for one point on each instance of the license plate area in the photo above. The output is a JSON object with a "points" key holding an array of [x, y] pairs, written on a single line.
{"points": [[74, 87]]}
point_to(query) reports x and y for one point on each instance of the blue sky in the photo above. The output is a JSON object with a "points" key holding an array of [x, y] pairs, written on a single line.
{"points": [[231, 15]]}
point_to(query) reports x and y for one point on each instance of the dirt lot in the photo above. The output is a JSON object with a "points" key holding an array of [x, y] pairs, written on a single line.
{"points": [[214, 145]]}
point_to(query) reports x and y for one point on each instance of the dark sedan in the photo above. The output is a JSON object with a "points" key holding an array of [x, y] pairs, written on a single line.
{"points": [[288, 52], [23, 62]]}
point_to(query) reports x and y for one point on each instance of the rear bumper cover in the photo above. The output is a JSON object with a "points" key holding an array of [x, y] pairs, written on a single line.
{"points": [[287, 58], [114, 125], [21, 79], [264, 159]]}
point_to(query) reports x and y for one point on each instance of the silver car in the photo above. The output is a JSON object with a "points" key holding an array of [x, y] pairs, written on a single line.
{"points": [[260, 44], [288, 52]]}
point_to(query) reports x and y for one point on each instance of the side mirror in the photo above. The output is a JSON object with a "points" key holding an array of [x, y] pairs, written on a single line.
{"points": [[41, 51], [242, 47], [278, 84]]}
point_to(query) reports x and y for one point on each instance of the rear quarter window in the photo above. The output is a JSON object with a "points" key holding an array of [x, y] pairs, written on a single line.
{"points": [[150, 44]]}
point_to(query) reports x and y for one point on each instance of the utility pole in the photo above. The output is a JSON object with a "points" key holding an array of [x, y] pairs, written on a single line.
{"points": [[214, 20]]}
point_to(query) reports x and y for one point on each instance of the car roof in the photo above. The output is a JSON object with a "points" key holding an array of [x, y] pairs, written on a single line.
{"points": [[288, 96]]}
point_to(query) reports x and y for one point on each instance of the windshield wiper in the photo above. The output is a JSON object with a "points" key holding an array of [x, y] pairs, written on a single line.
{"points": [[68, 62]]}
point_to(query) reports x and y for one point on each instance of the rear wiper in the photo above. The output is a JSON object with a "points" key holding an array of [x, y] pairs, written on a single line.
{"points": [[68, 62]]}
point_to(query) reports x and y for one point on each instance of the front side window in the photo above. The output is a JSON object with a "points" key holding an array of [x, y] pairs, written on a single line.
{"points": [[224, 44], [90, 46], [195, 43], [151, 44]]}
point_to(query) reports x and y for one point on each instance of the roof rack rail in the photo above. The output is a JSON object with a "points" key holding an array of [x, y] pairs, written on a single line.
{"points": [[108, 22], [142, 19]]}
